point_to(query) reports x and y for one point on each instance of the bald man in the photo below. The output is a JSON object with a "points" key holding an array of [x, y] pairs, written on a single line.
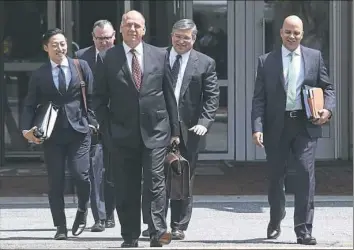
{"points": [[142, 121], [280, 125]]}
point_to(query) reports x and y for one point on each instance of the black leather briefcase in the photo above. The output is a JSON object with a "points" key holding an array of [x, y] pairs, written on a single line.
{"points": [[177, 172]]}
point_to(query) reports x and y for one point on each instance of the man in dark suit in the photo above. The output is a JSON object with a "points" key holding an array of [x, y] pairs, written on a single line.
{"points": [[193, 77], [279, 123], [102, 196], [142, 119], [57, 81]]}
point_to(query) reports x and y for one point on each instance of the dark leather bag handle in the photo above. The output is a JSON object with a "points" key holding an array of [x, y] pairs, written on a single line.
{"points": [[82, 82]]}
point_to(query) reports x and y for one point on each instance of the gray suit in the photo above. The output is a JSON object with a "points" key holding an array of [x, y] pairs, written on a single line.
{"points": [[97, 198], [283, 134], [198, 103]]}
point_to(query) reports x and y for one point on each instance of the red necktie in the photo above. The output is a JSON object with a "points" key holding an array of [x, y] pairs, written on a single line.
{"points": [[136, 71]]}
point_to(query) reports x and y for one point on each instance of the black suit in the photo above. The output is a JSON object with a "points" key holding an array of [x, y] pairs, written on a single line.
{"points": [[102, 195], [70, 139], [141, 123], [283, 134], [198, 103]]}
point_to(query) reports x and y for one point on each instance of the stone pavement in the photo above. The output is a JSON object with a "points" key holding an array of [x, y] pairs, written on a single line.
{"points": [[218, 222]]}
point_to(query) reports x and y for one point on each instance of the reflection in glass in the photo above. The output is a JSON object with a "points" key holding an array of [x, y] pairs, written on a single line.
{"points": [[24, 23], [16, 85], [211, 20]]}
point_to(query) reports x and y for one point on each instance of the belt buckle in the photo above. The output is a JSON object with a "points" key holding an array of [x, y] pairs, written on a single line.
{"points": [[292, 114]]}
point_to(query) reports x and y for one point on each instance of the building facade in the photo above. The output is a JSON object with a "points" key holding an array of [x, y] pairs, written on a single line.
{"points": [[234, 33]]}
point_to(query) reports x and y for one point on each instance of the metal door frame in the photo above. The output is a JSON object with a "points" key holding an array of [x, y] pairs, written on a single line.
{"points": [[234, 69]]}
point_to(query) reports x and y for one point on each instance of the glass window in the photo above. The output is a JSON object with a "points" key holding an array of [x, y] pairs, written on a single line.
{"points": [[24, 23], [16, 86], [212, 40], [211, 20]]}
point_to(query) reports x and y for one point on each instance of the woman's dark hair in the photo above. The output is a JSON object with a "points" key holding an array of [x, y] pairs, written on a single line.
{"points": [[49, 33]]}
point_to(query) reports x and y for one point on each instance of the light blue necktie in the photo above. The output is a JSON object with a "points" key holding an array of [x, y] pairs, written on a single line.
{"points": [[291, 79]]}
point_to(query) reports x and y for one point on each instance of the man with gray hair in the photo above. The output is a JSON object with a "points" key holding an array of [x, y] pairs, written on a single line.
{"points": [[102, 193], [193, 77]]}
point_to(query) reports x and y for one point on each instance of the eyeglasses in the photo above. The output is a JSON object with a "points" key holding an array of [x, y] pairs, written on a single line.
{"points": [[103, 38], [183, 38]]}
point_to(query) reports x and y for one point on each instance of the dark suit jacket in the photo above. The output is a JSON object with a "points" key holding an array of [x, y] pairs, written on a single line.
{"points": [[149, 114], [199, 96], [268, 105], [89, 55], [41, 90]]}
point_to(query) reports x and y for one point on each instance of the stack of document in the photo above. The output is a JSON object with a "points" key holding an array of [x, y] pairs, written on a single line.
{"points": [[313, 100]]}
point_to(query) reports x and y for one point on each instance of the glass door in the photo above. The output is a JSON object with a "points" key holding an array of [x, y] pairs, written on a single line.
{"points": [[24, 24], [317, 18], [84, 14], [215, 22]]}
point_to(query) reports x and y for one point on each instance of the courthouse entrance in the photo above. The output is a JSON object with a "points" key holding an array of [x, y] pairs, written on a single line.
{"points": [[222, 35]]}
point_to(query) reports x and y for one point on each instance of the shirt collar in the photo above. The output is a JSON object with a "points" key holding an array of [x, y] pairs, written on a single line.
{"points": [[138, 49], [65, 62], [285, 52], [184, 56]]}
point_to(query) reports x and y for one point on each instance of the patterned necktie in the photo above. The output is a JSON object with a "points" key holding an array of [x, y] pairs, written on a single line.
{"points": [[291, 79], [61, 80], [175, 70], [136, 71]]}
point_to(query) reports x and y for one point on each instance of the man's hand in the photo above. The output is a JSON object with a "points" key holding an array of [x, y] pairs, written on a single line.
{"points": [[199, 130], [175, 139], [258, 139], [28, 134], [324, 117]]}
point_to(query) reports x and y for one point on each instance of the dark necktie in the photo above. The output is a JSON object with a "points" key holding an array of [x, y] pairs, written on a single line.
{"points": [[136, 71], [175, 70], [62, 81], [98, 58]]}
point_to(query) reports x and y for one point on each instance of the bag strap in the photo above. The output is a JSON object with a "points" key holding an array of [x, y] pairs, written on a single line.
{"points": [[82, 82]]}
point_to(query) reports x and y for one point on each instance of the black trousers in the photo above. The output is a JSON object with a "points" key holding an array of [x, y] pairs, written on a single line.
{"points": [[67, 146], [109, 190], [181, 210], [128, 165], [97, 182], [296, 139]]}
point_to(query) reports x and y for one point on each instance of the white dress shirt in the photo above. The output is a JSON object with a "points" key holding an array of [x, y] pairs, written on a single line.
{"points": [[55, 72], [182, 69], [299, 71], [97, 52], [139, 54]]}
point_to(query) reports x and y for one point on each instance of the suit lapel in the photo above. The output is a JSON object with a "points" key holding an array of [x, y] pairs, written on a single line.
{"points": [[168, 66], [91, 60], [125, 68], [305, 60], [147, 59], [50, 80], [279, 61], [189, 72], [74, 75]]}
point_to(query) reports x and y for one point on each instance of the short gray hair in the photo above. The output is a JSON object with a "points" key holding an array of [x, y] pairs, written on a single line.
{"points": [[185, 24], [101, 24]]}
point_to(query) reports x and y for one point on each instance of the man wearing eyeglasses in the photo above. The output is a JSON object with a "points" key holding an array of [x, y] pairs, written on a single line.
{"points": [[102, 195]]}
